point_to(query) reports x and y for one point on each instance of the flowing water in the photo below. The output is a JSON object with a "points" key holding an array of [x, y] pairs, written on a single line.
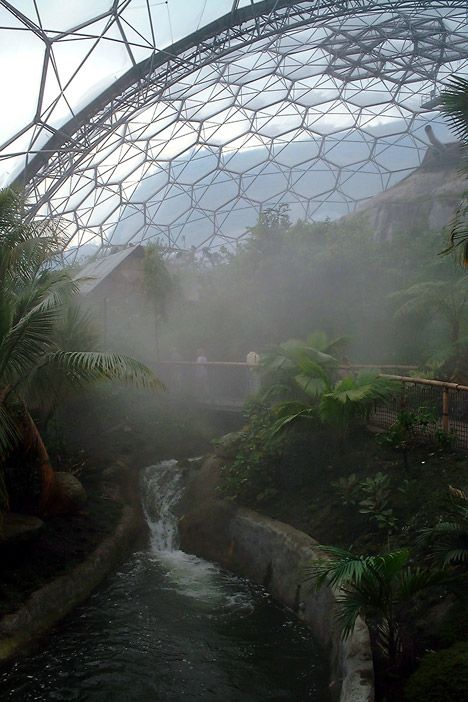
{"points": [[169, 626]]}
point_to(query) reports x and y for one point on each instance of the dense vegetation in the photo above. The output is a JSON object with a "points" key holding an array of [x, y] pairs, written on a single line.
{"points": [[47, 349], [392, 509]]}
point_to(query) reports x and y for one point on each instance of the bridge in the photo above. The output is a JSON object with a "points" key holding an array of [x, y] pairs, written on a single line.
{"points": [[225, 386]]}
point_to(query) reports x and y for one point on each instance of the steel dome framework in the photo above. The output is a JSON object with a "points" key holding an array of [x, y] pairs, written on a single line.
{"points": [[318, 104]]}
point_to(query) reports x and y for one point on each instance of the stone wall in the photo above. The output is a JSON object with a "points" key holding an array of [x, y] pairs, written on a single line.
{"points": [[275, 555]]}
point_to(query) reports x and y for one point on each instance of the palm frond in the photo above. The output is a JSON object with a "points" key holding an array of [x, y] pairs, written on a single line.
{"points": [[287, 420], [89, 366], [454, 100], [413, 580], [9, 433], [352, 603], [313, 387], [23, 347]]}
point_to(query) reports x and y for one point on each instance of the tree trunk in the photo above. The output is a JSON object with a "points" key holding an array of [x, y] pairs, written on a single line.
{"points": [[34, 449], [455, 331]]}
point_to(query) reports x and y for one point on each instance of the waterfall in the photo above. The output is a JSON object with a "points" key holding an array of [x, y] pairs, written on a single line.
{"points": [[162, 489]]}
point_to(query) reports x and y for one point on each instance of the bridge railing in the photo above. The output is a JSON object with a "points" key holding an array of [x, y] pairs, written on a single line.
{"points": [[227, 385], [446, 402], [215, 383]]}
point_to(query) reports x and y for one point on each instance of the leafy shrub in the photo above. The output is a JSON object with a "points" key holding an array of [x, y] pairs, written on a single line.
{"points": [[376, 495], [407, 432], [348, 489], [371, 496], [252, 476], [441, 676]]}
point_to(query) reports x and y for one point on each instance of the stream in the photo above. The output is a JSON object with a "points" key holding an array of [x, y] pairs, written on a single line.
{"points": [[170, 626]]}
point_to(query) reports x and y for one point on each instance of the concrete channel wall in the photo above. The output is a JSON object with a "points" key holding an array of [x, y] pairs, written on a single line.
{"points": [[48, 605], [275, 555]]}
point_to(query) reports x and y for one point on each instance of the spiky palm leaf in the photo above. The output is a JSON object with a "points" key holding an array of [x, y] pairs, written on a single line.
{"points": [[374, 587], [449, 537], [91, 366], [32, 300], [455, 104], [354, 396], [290, 413], [454, 101]]}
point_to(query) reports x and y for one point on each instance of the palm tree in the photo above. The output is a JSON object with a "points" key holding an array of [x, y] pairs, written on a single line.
{"points": [[449, 537], [353, 398], [447, 299], [336, 404], [373, 587], [455, 104], [297, 366], [33, 297], [159, 287]]}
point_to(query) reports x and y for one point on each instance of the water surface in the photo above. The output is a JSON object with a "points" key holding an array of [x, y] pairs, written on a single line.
{"points": [[169, 626]]}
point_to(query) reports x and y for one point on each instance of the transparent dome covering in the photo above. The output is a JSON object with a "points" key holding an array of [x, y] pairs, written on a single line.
{"points": [[177, 120]]}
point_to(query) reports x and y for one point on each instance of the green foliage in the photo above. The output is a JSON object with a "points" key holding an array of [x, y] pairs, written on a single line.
{"points": [[411, 429], [41, 335], [448, 539], [374, 587], [446, 299], [160, 287], [252, 476], [371, 495], [353, 398], [442, 675], [376, 493], [455, 105], [282, 280], [338, 405], [348, 488]]}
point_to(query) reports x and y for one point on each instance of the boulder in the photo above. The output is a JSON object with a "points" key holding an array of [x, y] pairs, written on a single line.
{"points": [[72, 495], [226, 446]]}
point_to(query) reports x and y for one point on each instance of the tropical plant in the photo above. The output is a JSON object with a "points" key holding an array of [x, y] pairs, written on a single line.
{"points": [[301, 366], [159, 287], [251, 476], [455, 104], [33, 297], [375, 500], [448, 539], [406, 432], [353, 398], [447, 299], [348, 489], [374, 587], [317, 347], [442, 675], [338, 405]]}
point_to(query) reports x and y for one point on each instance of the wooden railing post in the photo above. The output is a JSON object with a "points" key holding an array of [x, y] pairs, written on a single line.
{"points": [[403, 395], [445, 409]]}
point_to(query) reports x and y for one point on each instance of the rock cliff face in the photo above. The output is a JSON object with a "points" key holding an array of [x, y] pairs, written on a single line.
{"points": [[425, 199]]}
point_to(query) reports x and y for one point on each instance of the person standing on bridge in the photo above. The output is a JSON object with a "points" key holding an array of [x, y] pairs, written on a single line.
{"points": [[201, 376]]}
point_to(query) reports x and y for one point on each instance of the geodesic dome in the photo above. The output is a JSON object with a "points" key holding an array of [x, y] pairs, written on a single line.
{"points": [[138, 119]]}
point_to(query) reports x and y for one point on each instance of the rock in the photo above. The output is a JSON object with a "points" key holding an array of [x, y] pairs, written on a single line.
{"points": [[226, 446], [73, 496], [424, 200], [18, 528]]}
